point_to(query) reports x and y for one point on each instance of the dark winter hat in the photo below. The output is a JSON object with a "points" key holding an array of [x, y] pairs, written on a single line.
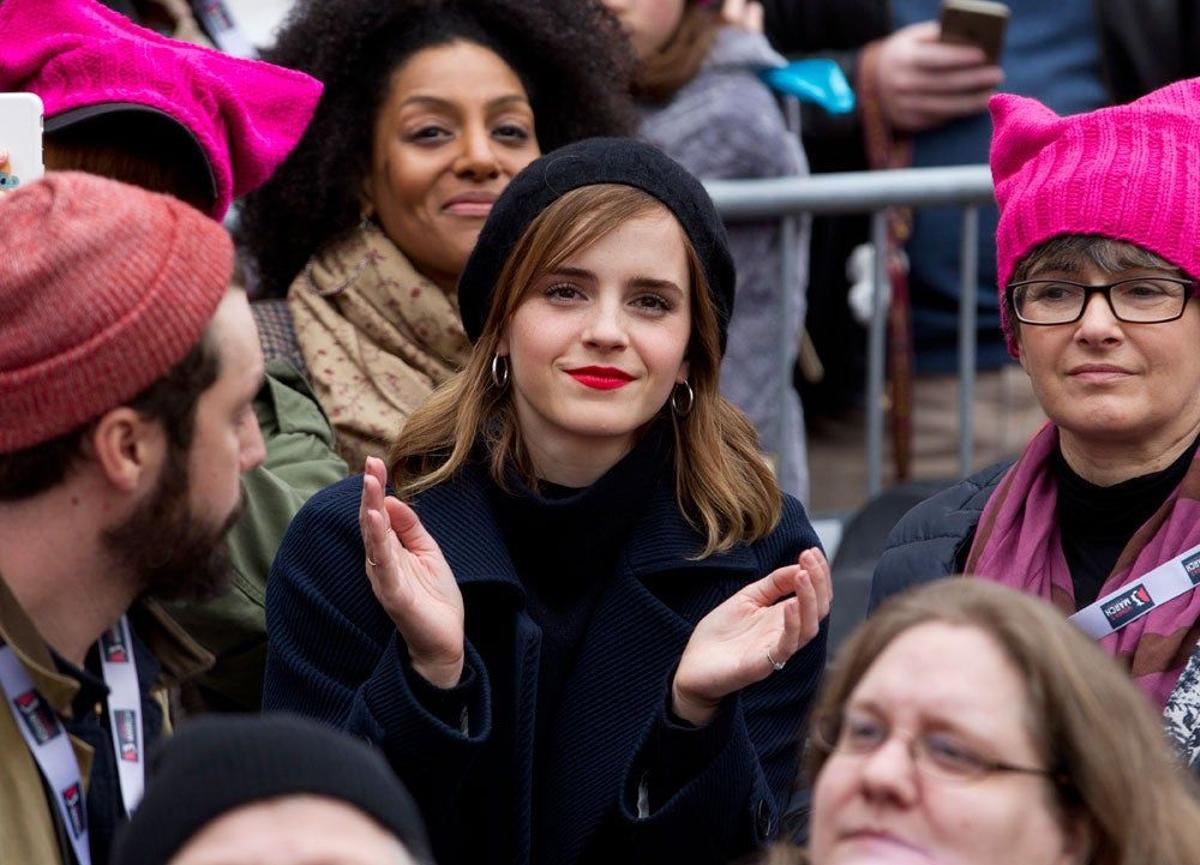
{"points": [[593, 161], [216, 764]]}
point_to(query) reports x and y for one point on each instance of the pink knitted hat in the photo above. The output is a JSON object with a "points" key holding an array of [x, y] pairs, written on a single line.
{"points": [[103, 288], [246, 115], [1129, 172]]}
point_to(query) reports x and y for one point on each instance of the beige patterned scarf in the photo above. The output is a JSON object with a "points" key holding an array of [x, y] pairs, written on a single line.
{"points": [[377, 337]]}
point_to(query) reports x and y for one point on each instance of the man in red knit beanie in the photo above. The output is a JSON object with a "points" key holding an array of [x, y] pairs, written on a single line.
{"points": [[127, 369]]}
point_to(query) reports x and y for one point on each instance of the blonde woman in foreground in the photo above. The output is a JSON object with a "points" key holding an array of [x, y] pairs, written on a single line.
{"points": [[966, 723]]}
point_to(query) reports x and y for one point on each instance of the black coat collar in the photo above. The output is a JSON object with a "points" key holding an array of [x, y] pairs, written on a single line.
{"points": [[661, 541]]}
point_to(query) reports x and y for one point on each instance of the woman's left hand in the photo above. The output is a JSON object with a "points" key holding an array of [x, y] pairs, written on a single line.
{"points": [[737, 643]]}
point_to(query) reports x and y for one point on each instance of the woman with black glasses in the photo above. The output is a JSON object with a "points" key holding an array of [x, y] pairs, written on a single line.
{"points": [[1100, 515]]}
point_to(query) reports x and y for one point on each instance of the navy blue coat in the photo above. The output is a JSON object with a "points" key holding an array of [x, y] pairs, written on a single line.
{"points": [[933, 539], [335, 655]]}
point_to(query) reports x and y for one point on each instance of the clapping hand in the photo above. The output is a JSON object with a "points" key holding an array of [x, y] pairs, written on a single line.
{"points": [[750, 635], [412, 580]]}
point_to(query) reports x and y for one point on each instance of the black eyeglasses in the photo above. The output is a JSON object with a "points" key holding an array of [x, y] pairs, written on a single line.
{"points": [[938, 755], [1145, 300]]}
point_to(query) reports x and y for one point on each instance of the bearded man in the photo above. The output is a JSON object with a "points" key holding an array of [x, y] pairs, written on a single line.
{"points": [[127, 370]]}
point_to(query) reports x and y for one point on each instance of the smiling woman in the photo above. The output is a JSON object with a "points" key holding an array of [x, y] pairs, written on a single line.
{"points": [[455, 128], [586, 625], [615, 317]]}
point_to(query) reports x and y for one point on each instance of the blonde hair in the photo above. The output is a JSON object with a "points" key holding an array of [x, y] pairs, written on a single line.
{"points": [[660, 76], [723, 485], [1092, 725]]}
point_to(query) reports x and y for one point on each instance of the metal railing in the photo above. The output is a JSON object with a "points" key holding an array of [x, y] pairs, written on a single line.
{"points": [[873, 192]]}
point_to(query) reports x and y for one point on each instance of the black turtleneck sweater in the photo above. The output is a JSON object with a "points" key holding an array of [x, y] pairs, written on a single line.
{"points": [[1096, 523], [564, 543]]}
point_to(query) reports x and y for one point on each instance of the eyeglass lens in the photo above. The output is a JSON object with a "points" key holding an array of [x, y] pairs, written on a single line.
{"points": [[940, 754], [937, 753], [1135, 300]]}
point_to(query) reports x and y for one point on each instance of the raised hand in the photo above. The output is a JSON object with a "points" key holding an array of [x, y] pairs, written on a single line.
{"points": [[742, 640], [412, 580]]}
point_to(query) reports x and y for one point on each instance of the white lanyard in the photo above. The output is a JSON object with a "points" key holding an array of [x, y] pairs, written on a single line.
{"points": [[47, 740], [1135, 599], [124, 711]]}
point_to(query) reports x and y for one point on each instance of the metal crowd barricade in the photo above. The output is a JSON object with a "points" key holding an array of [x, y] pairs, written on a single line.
{"points": [[872, 192]]}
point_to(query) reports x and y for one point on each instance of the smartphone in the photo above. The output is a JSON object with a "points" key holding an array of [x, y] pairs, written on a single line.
{"points": [[21, 136], [975, 22]]}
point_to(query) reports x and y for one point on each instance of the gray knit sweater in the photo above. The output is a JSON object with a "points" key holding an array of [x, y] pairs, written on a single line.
{"points": [[725, 123]]}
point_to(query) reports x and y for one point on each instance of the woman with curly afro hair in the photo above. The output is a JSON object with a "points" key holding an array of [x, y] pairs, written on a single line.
{"points": [[430, 107]]}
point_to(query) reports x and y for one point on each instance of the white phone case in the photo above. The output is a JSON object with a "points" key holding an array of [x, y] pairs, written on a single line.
{"points": [[21, 136]]}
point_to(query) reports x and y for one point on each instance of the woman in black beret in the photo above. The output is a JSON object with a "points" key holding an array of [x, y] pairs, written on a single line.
{"points": [[583, 624]]}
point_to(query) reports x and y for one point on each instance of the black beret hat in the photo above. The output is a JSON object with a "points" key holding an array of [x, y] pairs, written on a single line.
{"points": [[216, 764], [624, 161]]}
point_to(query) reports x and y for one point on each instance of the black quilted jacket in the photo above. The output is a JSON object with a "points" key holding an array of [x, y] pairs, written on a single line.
{"points": [[933, 539]]}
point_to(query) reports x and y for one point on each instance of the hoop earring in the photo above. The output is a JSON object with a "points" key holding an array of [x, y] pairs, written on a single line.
{"points": [[499, 370], [683, 411]]}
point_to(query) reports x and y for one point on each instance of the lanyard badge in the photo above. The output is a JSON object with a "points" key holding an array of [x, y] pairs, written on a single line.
{"points": [[124, 711], [50, 745], [1136, 598]]}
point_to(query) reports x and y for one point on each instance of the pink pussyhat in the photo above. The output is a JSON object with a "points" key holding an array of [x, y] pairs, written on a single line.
{"points": [[245, 115], [1129, 172]]}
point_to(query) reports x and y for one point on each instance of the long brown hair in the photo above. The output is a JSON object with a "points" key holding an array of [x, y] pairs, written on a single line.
{"points": [[1092, 725], [661, 75], [722, 483]]}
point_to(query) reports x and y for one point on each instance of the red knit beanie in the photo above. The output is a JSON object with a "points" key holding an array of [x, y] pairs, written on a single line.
{"points": [[103, 288], [1129, 172]]}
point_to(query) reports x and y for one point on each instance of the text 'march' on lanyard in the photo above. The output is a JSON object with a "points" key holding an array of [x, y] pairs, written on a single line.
{"points": [[1118, 608]]}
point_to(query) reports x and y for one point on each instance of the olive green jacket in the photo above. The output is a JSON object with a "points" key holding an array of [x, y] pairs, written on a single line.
{"points": [[28, 826], [300, 460]]}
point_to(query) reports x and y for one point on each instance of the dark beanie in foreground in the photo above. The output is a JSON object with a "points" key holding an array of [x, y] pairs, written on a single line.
{"points": [[624, 161], [216, 764]]}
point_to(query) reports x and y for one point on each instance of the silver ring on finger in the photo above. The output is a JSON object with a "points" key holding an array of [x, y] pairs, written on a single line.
{"points": [[775, 665], [372, 562]]}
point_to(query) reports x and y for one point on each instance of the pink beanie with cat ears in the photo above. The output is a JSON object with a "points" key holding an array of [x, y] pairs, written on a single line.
{"points": [[245, 115], [1128, 172]]}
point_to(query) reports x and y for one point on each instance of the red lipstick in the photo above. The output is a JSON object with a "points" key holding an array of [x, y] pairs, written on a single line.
{"points": [[600, 377]]}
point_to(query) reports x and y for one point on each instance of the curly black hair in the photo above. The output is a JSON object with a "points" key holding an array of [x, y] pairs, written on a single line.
{"points": [[570, 55]]}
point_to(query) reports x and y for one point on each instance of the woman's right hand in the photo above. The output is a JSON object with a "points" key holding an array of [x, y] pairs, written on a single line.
{"points": [[412, 580]]}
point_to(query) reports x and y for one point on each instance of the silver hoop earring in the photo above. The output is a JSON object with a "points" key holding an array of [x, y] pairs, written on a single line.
{"points": [[683, 411], [499, 370]]}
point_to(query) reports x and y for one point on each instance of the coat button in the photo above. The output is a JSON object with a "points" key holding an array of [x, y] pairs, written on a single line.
{"points": [[762, 819]]}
